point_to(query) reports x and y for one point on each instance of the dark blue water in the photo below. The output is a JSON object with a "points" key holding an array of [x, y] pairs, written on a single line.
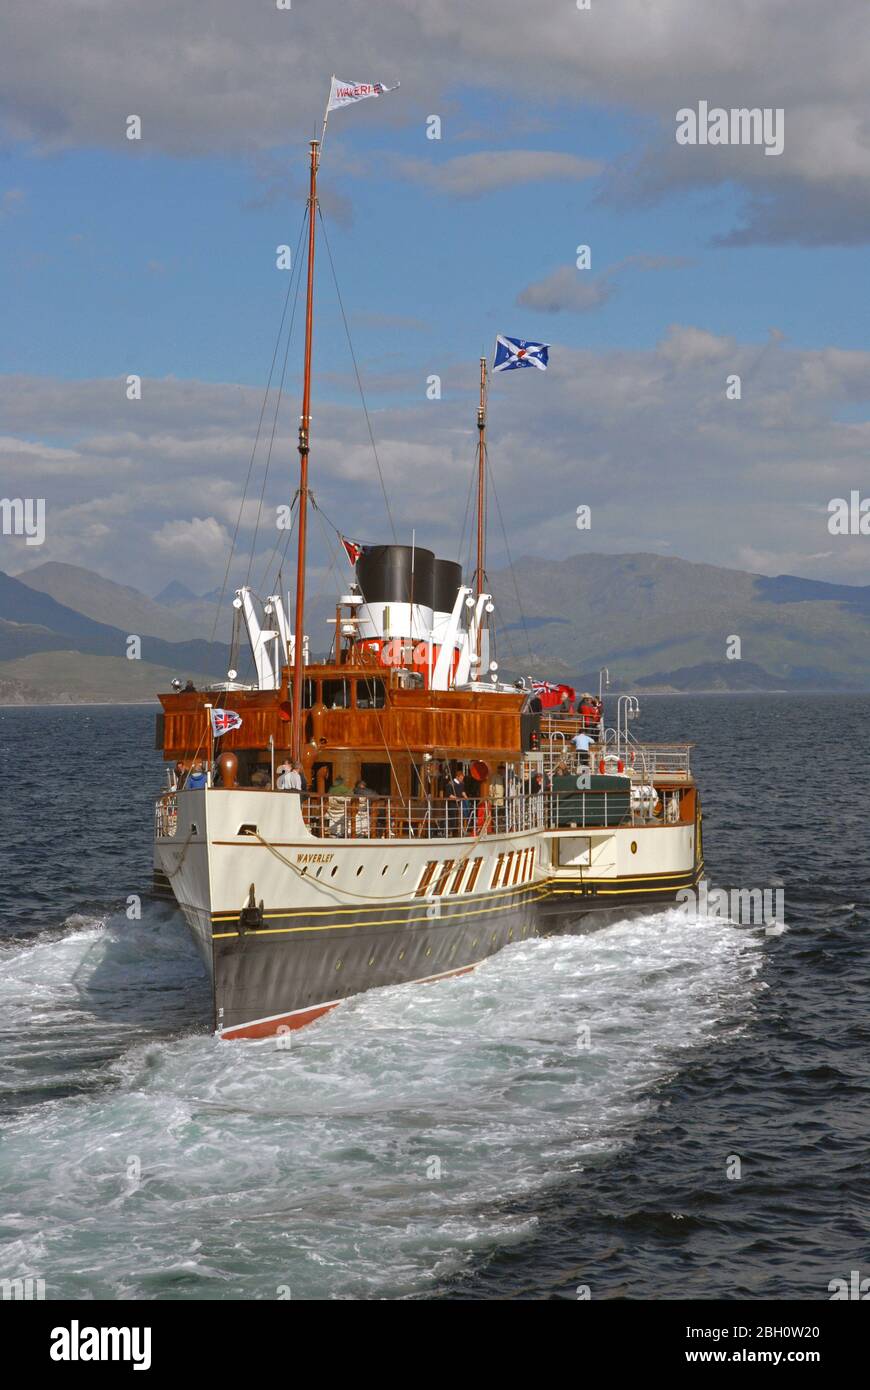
{"points": [[452, 1140]]}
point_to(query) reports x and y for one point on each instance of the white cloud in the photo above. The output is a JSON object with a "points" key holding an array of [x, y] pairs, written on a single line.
{"points": [[214, 76], [646, 438]]}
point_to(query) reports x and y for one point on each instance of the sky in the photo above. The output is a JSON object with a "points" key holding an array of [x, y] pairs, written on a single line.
{"points": [[157, 257]]}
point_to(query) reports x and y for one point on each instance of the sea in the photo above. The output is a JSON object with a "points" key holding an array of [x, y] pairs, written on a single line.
{"points": [[675, 1106]]}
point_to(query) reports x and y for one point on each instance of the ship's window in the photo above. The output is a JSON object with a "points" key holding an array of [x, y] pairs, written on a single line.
{"points": [[376, 777], [247, 830], [336, 694], [497, 874], [193, 829], [458, 877], [520, 870], [443, 877], [472, 877], [427, 877], [370, 693]]}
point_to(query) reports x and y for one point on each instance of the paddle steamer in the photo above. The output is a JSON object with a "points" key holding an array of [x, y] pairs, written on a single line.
{"points": [[384, 871]]}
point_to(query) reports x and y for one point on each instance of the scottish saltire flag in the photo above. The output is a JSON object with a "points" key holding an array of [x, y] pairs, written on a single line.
{"points": [[517, 352], [343, 93], [223, 721]]}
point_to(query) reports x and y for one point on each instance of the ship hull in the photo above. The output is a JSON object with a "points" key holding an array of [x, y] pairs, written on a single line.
{"points": [[326, 925]]}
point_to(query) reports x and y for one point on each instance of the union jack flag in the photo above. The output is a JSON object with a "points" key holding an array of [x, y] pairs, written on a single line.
{"points": [[223, 721]]}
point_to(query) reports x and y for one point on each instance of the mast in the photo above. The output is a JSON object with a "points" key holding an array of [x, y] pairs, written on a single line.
{"points": [[304, 426], [481, 481], [481, 512]]}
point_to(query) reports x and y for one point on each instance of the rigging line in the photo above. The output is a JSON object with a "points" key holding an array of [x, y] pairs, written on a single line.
{"points": [[333, 556], [286, 539], [356, 373], [219, 603], [277, 408], [465, 519], [510, 560]]}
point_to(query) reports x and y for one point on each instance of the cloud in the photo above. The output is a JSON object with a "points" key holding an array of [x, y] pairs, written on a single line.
{"points": [[213, 76], [201, 539], [566, 289], [150, 491], [469, 175], [569, 290]]}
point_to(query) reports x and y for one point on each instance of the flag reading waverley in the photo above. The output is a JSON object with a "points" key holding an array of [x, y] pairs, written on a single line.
{"points": [[518, 352], [431, 814], [343, 93]]}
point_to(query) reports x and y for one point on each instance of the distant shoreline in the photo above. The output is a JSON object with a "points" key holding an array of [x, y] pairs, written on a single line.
{"points": [[641, 694]]}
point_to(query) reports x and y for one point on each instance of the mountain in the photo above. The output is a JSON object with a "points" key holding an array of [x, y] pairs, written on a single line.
{"points": [[658, 618], [117, 605], [70, 678], [657, 623], [33, 622]]}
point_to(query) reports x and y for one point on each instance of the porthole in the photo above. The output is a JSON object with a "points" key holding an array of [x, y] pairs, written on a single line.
{"points": [[401, 955], [406, 868], [333, 871], [304, 870], [384, 870], [319, 872], [428, 950], [634, 846], [359, 870], [338, 965], [371, 960], [511, 934]]}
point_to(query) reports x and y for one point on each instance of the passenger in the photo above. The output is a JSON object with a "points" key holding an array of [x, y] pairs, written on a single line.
{"points": [[362, 819], [261, 777], [456, 803], [582, 743], [285, 781], [178, 772], [337, 807], [197, 778], [189, 686], [303, 780], [588, 711]]}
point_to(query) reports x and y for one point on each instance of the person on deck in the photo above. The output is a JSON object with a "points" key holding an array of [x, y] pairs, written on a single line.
{"points": [[337, 807], [197, 778], [582, 743]]}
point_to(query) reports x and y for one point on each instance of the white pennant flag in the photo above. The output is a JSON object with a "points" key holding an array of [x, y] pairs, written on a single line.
{"points": [[344, 93]]}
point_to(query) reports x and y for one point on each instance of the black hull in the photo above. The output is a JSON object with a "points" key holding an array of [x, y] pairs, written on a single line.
{"points": [[291, 969]]}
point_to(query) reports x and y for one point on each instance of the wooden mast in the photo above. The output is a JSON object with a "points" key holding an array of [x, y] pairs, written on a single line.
{"points": [[480, 578], [304, 427], [481, 481]]}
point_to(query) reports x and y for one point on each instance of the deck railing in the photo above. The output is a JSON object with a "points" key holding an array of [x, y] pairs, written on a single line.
{"points": [[391, 819]]}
